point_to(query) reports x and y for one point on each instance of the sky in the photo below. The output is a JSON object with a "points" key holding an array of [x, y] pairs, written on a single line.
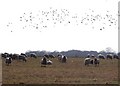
{"points": [[58, 25]]}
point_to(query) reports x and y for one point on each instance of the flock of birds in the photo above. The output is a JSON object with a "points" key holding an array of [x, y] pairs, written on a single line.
{"points": [[44, 18], [53, 17], [107, 20]]}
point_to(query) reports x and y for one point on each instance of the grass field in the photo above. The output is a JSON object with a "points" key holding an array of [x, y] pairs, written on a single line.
{"points": [[72, 72]]}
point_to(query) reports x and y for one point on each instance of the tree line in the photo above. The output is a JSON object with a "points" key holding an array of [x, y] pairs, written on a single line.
{"points": [[71, 53]]}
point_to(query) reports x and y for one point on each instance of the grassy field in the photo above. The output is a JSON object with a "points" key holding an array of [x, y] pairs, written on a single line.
{"points": [[72, 72]]}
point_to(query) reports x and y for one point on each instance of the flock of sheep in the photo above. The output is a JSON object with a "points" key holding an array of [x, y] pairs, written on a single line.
{"points": [[95, 60], [8, 58], [90, 59]]}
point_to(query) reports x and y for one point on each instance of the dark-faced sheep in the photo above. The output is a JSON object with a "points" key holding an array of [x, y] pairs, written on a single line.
{"points": [[96, 61], [44, 62], [64, 59], [115, 56], [109, 56], [8, 61]]}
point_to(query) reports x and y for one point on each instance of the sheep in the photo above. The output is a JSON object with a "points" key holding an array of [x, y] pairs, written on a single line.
{"points": [[96, 61], [22, 57], [64, 59], [4, 55], [101, 56], [89, 61], [109, 56], [8, 61], [43, 62], [116, 56], [33, 55]]}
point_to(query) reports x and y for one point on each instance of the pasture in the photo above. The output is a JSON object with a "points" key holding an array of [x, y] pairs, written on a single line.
{"points": [[72, 72]]}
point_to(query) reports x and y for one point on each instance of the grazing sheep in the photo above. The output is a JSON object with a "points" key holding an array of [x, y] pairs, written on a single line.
{"points": [[101, 56], [96, 61], [15, 56], [4, 55], [43, 62], [116, 56], [33, 55], [22, 57], [60, 57], [89, 61], [8, 61], [109, 56], [64, 59]]}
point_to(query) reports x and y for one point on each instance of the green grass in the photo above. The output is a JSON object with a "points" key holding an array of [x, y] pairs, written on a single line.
{"points": [[72, 72]]}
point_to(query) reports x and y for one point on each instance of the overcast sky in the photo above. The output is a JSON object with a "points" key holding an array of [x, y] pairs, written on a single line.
{"points": [[58, 25]]}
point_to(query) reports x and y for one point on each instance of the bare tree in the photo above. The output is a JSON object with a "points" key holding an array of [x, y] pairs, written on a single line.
{"points": [[109, 49]]}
